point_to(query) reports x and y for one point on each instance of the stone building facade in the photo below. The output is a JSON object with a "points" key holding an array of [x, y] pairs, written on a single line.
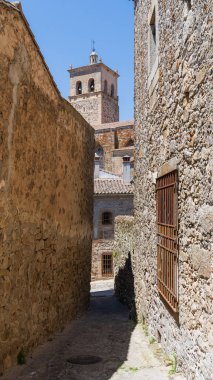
{"points": [[113, 196], [113, 142], [46, 196], [93, 92], [90, 86], [174, 178]]}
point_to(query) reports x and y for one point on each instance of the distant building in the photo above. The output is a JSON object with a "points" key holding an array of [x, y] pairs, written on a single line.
{"points": [[113, 196], [93, 92]]}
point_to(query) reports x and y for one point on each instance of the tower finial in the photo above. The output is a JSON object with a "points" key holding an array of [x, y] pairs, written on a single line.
{"points": [[93, 55], [93, 45]]}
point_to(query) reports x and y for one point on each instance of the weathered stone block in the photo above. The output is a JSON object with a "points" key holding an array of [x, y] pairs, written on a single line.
{"points": [[201, 261]]}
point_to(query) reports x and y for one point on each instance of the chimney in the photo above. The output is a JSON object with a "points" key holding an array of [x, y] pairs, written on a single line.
{"points": [[97, 166], [126, 170]]}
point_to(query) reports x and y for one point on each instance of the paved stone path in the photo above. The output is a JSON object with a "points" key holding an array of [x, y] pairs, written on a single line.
{"points": [[105, 331]]}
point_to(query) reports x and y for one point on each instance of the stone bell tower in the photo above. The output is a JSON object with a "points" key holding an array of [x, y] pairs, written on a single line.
{"points": [[93, 91]]}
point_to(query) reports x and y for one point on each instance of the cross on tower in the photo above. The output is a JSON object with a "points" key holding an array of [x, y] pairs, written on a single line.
{"points": [[93, 45]]}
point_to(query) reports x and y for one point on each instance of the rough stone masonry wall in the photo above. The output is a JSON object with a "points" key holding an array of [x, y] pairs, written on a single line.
{"points": [[89, 107], [110, 109], [124, 135], [110, 140], [106, 139], [177, 123], [46, 192], [100, 247], [124, 260]]}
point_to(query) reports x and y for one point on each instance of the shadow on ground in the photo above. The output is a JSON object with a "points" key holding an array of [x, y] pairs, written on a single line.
{"points": [[104, 332]]}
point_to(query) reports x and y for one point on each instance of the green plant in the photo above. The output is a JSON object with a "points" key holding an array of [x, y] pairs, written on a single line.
{"points": [[21, 357], [145, 329], [152, 340], [114, 254], [122, 368], [125, 368], [133, 369], [173, 363]]}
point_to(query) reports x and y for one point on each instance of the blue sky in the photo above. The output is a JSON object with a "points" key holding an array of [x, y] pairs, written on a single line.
{"points": [[64, 30]]}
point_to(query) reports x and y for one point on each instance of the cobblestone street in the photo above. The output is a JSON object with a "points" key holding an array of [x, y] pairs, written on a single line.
{"points": [[104, 332]]}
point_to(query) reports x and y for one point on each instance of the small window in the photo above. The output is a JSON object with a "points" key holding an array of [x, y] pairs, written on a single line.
{"points": [[153, 44], [78, 88], [130, 142], [112, 90], [105, 86], [107, 218], [107, 265], [91, 85]]}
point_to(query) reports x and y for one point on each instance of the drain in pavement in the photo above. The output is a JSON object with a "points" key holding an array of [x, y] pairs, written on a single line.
{"points": [[84, 359]]}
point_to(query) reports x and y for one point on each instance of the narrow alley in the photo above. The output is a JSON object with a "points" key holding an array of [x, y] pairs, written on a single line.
{"points": [[109, 179], [103, 344]]}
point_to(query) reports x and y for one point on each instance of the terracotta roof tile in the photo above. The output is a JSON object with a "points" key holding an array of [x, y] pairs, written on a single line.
{"points": [[112, 186]]}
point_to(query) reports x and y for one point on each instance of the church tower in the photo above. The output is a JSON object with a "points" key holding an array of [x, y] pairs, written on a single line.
{"points": [[93, 91]]}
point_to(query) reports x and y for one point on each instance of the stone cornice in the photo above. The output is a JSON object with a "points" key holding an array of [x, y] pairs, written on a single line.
{"points": [[91, 68]]}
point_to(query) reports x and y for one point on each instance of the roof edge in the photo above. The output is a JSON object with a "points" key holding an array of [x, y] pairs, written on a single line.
{"points": [[99, 64]]}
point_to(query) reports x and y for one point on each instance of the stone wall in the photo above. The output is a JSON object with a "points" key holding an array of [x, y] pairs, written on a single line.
{"points": [[113, 141], [124, 260], [173, 116], [46, 192], [100, 247], [110, 109], [105, 139], [89, 107], [123, 136]]}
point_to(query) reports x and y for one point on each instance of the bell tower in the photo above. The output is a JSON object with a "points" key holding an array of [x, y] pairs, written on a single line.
{"points": [[93, 91]]}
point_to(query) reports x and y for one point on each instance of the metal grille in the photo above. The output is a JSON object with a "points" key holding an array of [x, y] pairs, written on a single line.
{"points": [[107, 218], [107, 269], [167, 242]]}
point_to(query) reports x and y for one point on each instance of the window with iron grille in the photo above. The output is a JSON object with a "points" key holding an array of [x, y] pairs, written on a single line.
{"points": [[107, 265], [167, 238], [107, 218]]}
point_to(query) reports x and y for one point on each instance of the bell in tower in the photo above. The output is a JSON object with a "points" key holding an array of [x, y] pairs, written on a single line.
{"points": [[93, 91]]}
